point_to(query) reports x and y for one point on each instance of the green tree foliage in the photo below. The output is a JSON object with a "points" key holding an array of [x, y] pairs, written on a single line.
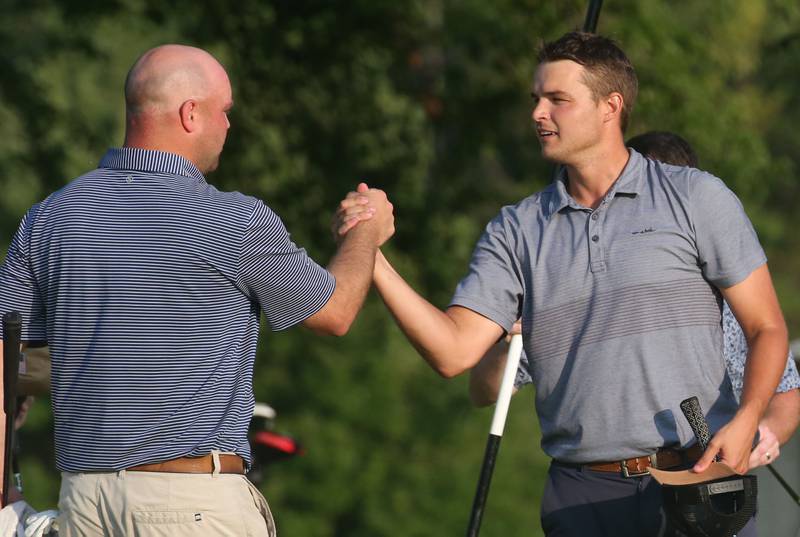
{"points": [[428, 100]]}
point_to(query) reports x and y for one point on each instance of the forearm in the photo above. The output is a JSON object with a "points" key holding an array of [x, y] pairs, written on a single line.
{"points": [[783, 414], [764, 366], [486, 376], [352, 266], [447, 347]]}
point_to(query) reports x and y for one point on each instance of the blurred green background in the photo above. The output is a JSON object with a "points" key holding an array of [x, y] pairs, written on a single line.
{"points": [[428, 100]]}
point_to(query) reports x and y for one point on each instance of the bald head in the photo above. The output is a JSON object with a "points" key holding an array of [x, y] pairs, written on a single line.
{"points": [[164, 77], [177, 98]]}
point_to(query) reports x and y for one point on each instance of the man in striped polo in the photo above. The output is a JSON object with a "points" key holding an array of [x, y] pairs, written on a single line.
{"points": [[148, 284], [615, 270]]}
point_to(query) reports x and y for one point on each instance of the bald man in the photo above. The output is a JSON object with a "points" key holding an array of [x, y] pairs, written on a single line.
{"points": [[148, 283]]}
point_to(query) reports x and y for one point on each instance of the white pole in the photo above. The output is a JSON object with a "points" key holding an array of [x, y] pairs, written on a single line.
{"points": [[507, 386]]}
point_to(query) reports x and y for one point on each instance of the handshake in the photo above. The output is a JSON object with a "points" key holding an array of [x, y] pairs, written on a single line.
{"points": [[368, 205]]}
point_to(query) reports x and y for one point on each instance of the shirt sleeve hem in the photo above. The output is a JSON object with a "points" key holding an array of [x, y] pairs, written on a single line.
{"points": [[496, 316]]}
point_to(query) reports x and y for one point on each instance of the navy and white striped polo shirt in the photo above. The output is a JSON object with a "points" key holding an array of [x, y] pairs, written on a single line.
{"points": [[147, 283]]}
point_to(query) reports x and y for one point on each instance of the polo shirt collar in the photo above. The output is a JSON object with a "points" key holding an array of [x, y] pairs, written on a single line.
{"points": [[148, 160], [629, 183]]}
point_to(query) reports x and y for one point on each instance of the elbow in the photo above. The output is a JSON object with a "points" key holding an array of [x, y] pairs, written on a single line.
{"points": [[448, 365], [332, 325], [449, 371], [340, 327]]}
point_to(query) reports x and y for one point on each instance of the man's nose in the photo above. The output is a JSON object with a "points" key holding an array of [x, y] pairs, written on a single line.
{"points": [[540, 111]]}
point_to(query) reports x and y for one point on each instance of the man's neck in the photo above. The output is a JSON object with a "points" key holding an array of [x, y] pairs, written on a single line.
{"points": [[589, 180]]}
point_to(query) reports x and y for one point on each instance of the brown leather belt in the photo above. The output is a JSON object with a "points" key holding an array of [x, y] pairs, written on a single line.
{"points": [[229, 464], [661, 460]]}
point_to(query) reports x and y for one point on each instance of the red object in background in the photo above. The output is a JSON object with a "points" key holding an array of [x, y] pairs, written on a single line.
{"points": [[277, 443]]}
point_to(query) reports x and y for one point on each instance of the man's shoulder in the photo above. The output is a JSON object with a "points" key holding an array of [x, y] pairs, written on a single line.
{"points": [[232, 198], [102, 193], [682, 178], [541, 203]]}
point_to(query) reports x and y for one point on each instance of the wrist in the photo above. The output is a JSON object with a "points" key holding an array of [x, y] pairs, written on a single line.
{"points": [[749, 414]]}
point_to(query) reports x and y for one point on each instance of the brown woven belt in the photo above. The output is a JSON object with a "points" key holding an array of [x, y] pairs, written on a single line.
{"points": [[661, 460], [229, 464]]}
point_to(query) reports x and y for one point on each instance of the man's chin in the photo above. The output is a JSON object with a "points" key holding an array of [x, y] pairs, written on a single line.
{"points": [[550, 156]]}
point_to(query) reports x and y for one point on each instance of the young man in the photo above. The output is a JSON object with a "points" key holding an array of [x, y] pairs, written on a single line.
{"points": [[615, 270], [148, 284], [783, 413]]}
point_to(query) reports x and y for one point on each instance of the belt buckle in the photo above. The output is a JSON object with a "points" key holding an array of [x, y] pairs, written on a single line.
{"points": [[627, 473]]}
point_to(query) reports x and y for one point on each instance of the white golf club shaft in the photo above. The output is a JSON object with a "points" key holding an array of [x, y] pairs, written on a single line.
{"points": [[506, 386]]}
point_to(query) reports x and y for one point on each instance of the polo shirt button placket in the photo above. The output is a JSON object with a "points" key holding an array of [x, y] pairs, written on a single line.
{"points": [[596, 258]]}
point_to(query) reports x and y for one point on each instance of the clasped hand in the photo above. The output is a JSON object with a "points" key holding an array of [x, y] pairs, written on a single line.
{"points": [[365, 204]]}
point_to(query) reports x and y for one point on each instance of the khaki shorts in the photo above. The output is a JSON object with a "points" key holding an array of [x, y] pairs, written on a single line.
{"points": [[148, 504]]}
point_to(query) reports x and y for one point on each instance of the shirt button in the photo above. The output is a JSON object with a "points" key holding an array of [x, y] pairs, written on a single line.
{"points": [[595, 238], [595, 216], [129, 179]]}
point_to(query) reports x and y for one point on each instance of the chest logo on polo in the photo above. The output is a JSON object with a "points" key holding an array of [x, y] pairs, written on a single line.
{"points": [[643, 231]]}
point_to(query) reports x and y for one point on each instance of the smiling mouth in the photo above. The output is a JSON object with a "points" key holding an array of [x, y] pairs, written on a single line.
{"points": [[543, 133]]}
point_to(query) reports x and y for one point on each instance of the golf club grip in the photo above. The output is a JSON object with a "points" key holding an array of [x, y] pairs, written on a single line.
{"points": [[12, 331], [694, 415]]}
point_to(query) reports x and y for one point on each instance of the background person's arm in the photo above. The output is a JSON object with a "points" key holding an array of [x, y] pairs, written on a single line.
{"points": [[487, 375], [783, 414], [776, 428]]}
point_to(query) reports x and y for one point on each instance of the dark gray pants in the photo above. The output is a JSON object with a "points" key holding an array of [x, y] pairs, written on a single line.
{"points": [[579, 502]]}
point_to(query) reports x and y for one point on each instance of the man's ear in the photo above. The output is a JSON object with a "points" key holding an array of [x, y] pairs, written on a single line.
{"points": [[614, 105], [188, 112]]}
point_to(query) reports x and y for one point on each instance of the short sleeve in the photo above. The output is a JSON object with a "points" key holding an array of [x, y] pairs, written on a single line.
{"points": [[493, 287], [734, 349], [727, 244], [18, 289], [288, 285], [790, 379]]}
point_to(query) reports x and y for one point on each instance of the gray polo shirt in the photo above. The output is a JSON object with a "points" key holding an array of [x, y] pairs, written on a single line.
{"points": [[620, 314]]}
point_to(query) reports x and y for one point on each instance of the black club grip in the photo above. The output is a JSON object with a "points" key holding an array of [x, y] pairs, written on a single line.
{"points": [[694, 415]]}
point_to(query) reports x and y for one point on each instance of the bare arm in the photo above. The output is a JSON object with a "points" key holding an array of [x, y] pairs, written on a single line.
{"points": [[451, 341], [352, 266], [485, 378], [755, 305], [776, 427], [783, 414]]}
